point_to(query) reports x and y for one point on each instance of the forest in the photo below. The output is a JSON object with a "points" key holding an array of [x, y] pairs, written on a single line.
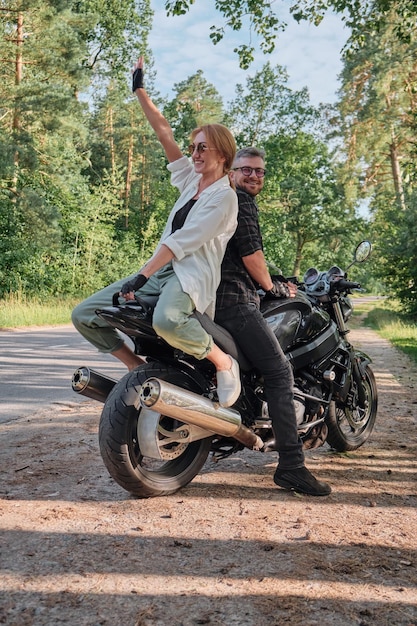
{"points": [[84, 189]]}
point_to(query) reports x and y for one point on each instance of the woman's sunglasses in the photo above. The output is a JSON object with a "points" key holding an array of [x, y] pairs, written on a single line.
{"points": [[200, 147]]}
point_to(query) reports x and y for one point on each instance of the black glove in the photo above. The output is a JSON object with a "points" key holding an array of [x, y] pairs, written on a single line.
{"points": [[279, 289], [133, 285], [137, 79]]}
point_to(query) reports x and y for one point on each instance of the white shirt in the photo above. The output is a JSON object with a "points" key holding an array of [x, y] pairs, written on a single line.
{"points": [[199, 246]]}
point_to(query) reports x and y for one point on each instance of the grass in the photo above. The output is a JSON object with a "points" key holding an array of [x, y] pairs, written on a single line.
{"points": [[386, 319], [18, 311]]}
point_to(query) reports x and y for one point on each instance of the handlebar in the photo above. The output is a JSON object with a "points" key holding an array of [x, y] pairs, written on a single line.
{"points": [[343, 285]]}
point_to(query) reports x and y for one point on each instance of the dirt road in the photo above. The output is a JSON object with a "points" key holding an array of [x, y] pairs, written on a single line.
{"points": [[231, 548]]}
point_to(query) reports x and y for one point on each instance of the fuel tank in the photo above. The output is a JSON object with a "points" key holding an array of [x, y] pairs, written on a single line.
{"points": [[305, 333]]}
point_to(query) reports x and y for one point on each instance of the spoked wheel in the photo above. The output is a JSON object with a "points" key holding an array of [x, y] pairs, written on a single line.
{"points": [[350, 426], [146, 453]]}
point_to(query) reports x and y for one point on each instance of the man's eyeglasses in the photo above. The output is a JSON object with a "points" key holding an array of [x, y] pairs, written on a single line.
{"points": [[247, 171], [200, 147]]}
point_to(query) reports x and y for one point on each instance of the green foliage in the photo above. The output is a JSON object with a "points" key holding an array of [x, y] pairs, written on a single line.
{"points": [[267, 107], [305, 215], [378, 120], [84, 189], [377, 110], [116, 32], [397, 244], [253, 16], [196, 102], [263, 21], [311, 213], [63, 214], [398, 328]]}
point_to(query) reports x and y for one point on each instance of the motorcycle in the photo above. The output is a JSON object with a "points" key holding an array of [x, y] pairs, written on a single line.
{"points": [[161, 421]]}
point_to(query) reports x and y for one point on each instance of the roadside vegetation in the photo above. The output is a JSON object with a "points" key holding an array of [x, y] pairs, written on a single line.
{"points": [[19, 311], [386, 318]]}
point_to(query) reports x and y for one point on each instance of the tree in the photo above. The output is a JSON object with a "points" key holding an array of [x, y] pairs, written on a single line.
{"points": [[378, 111], [261, 19], [43, 136], [196, 102], [304, 209], [395, 234], [50, 53], [267, 106]]}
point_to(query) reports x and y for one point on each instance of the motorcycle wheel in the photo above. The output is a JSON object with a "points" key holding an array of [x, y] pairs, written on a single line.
{"points": [[349, 428], [120, 446]]}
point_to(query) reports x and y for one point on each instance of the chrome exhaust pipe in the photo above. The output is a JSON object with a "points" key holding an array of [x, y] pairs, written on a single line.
{"points": [[90, 383], [186, 406]]}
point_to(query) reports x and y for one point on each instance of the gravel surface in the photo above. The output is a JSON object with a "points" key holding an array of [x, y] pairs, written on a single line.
{"points": [[230, 548]]}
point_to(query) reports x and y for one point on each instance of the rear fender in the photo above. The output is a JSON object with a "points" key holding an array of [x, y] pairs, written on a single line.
{"points": [[131, 319]]}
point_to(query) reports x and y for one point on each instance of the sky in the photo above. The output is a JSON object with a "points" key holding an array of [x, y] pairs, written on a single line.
{"points": [[181, 46]]}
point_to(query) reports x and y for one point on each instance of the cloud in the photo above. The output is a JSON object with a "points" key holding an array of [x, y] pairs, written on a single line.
{"points": [[181, 46]]}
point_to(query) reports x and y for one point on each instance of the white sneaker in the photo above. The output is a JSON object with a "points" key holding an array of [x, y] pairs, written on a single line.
{"points": [[228, 384]]}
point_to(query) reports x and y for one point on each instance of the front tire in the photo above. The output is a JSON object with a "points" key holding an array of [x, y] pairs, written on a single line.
{"points": [[350, 426], [120, 446]]}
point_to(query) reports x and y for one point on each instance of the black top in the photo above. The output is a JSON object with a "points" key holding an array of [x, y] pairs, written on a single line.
{"points": [[181, 215]]}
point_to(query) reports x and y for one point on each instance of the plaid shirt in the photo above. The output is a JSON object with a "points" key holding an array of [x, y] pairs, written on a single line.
{"points": [[236, 285]]}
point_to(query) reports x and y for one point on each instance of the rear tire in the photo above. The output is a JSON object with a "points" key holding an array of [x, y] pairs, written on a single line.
{"points": [[349, 428], [120, 448]]}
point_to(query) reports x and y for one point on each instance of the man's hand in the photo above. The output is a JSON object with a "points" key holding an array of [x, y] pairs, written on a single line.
{"points": [[293, 289], [128, 289], [281, 289]]}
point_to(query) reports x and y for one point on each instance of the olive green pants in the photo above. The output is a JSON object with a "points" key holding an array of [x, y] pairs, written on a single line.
{"points": [[171, 319]]}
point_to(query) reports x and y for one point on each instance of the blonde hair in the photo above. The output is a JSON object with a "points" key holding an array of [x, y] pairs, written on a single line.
{"points": [[220, 138]]}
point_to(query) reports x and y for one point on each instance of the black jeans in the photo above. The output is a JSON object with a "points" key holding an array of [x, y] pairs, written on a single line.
{"points": [[260, 346]]}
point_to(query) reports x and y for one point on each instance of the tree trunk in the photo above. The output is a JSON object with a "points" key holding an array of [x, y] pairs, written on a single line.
{"points": [[128, 184], [298, 257], [396, 172], [16, 113], [109, 129]]}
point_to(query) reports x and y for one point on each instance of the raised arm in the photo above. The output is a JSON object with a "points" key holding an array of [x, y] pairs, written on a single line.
{"points": [[155, 118]]}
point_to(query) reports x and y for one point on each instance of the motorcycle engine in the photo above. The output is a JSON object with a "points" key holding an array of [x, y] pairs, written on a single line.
{"points": [[300, 406], [312, 437], [308, 410]]}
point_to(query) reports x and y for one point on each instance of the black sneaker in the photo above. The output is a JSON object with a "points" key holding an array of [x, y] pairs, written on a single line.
{"points": [[302, 481]]}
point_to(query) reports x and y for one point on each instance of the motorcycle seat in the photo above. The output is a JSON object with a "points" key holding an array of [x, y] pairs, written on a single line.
{"points": [[221, 336], [223, 339]]}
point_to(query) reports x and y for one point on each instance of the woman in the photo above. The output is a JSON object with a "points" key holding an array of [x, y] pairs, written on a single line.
{"points": [[185, 267]]}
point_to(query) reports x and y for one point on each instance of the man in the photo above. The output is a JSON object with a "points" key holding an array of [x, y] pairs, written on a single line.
{"points": [[238, 310]]}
